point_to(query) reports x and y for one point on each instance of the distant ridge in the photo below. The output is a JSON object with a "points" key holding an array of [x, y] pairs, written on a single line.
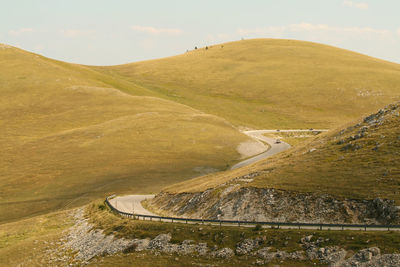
{"points": [[271, 83]]}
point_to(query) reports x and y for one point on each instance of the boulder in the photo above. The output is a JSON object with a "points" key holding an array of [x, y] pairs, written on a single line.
{"points": [[224, 253], [246, 246]]}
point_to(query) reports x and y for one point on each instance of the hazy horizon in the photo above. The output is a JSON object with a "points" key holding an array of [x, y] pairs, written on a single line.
{"points": [[108, 33]]}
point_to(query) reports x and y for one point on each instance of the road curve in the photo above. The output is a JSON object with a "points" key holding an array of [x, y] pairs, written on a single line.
{"points": [[131, 204], [274, 147]]}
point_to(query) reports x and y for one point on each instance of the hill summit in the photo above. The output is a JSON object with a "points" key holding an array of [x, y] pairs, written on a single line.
{"points": [[271, 83]]}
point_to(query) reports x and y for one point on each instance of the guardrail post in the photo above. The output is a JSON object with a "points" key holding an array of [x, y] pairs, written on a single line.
{"points": [[172, 220], [342, 227], [320, 227], [151, 219], [239, 223], [186, 221], [160, 219], [278, 226], [365, 228], [219, 223]]}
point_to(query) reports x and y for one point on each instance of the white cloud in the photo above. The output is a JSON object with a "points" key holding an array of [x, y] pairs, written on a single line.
{"points": [[359, 5], [72, 33], [316, 30], [20, 31], [153, 30]]}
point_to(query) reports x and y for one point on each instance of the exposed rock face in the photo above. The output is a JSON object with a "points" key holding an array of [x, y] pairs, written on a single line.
{"points": [[258, 204], [88, 242]]}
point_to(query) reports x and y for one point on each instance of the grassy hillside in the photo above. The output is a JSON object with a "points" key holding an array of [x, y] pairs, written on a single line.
{"points": [[69, 135], [267, 83], [359, 161]]}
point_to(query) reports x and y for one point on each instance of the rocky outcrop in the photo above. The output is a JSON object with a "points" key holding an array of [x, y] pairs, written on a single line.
{"points": [[259, 204], [248, 245], [335, 256], [315, 251], [224, 253], [87, 242]]}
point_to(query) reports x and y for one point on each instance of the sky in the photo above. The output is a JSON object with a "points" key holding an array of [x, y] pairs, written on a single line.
{"points": [[105, 32]]}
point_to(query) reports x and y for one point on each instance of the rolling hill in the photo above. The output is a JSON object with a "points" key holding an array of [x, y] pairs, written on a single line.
{"points": [[356, 164], [271, 83], [70, 135]]}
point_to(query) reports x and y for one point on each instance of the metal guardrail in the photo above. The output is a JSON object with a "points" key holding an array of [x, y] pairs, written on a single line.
{"points": [[321, 226]]}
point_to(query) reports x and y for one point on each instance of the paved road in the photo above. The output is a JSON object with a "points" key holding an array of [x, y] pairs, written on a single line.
{"points": [[131, 204], [274, 147]]}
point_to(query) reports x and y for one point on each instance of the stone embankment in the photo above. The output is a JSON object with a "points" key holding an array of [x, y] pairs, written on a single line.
{"points": [[259, 204]]}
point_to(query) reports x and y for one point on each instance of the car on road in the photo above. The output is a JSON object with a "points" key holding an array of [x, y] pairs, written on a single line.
{"points": [[277, 141]]}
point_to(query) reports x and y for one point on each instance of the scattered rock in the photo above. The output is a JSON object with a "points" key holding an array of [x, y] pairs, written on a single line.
{"points": [[371, 257], [267, 255], [247, 245], [224, 253], [90, 242]]}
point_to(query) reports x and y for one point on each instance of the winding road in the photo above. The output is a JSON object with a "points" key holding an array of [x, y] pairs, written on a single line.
{"points": [[274, 148], [132, 203]]}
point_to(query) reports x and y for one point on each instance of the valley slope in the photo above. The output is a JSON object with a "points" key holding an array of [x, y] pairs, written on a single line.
{"points": [[69, 134]]}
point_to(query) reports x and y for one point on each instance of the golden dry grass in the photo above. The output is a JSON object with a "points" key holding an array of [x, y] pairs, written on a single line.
{"points": [[332, 163], [69, 135], [270, 83], [25, 242]]}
